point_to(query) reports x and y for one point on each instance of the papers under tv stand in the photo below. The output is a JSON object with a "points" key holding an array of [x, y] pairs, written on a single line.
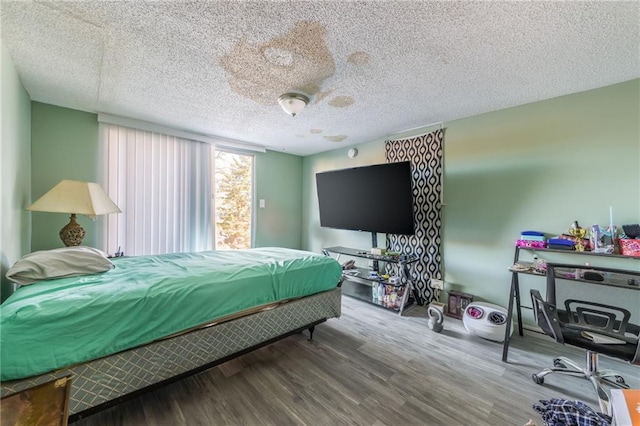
{"points": [[360, 285]]}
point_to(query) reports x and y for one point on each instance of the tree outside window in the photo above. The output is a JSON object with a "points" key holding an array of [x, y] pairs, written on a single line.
{"points": [[233, 197]]}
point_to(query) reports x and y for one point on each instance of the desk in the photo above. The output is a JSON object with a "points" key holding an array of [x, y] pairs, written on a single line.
{"points": [[561, 271]]}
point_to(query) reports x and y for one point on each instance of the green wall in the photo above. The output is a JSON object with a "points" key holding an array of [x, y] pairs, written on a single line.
{"points": [[278, 182], [314, 238], [539, 166], [15, 169], [64, 145]]}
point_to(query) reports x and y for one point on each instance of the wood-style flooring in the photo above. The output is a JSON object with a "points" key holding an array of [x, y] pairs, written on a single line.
{"points": [[369, 367]]}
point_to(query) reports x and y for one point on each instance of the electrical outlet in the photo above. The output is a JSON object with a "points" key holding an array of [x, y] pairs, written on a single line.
{"points": [[437, 284]]}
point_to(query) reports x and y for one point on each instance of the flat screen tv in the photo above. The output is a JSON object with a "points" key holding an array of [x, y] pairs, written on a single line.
{"points": [[375, 198]]}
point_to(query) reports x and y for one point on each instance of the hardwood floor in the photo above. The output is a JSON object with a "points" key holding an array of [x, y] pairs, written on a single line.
{"points": [[370, 367]]}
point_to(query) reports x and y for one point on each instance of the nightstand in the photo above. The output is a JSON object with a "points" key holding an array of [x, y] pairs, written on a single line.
{"points": [[45, 404]]}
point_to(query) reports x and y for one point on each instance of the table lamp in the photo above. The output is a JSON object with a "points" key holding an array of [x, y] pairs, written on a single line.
{"points": [[75, 197]]}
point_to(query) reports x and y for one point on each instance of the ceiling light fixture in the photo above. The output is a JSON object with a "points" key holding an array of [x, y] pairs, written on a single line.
{"points": [[293, 103]]}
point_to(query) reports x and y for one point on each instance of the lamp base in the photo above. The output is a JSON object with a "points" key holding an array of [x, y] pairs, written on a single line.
{"points": [[72, 234]]}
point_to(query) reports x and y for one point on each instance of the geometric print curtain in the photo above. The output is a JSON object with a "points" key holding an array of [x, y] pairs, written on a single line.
{"points": [[425, 153]]}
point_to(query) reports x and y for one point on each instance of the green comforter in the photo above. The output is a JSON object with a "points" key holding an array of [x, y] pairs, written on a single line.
{"points": [[58, 323]]}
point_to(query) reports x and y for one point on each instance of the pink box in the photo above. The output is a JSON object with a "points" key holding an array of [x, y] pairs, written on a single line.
{"points": [[533, 244], [629, 247]]}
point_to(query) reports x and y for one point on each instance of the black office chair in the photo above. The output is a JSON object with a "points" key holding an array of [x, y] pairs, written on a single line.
{"points": [[573, 326]]}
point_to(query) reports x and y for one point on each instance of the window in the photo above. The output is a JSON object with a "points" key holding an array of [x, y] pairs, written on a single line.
{"points": [[233, 200], [164, 186]]}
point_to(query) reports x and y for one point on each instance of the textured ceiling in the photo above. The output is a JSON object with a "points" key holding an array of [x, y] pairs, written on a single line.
{"points": [[372, 69]]}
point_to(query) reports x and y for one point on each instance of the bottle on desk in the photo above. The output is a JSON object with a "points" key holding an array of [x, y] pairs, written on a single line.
{"points": [[381, 292], [539, 265]]}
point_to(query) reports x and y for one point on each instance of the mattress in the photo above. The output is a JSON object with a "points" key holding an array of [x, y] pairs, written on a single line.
{"points": [[106, 379], [57, 323]]}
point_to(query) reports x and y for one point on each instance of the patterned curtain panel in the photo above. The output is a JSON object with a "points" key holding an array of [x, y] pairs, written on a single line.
{"points": [[426, 156]]}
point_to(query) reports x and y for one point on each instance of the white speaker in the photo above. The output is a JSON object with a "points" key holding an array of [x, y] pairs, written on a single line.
{"points": [[486, 320]]}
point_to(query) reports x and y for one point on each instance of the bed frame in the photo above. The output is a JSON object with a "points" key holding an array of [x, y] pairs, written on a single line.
{"points": [[104, 382]]}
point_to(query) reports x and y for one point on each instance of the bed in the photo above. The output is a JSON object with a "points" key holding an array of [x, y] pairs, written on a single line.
{"points": [[154, 319]]}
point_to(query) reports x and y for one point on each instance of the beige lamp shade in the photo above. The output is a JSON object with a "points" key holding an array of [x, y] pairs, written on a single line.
{"points": [[75, 197]]}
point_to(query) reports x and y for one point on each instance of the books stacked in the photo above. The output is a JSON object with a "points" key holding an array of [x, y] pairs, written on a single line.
{"points": [[532, 239], [561, 244]]}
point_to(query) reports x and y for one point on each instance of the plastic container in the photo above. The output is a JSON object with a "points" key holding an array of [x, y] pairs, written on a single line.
{"points": [[381, 292], [629, 247]]}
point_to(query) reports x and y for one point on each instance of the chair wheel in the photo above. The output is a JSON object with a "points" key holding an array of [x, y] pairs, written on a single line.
{"points": [[537, 380], [558, 364], [620, 380]]}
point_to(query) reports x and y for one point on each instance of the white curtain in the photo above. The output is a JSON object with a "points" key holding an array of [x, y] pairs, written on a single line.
{"points": [[162, 184]]}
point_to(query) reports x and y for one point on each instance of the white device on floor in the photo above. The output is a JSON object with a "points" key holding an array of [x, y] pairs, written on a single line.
{"points": [[486, 320]]}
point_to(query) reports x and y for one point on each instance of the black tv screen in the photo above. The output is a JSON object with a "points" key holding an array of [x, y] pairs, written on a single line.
{"points": [[375, 198]]}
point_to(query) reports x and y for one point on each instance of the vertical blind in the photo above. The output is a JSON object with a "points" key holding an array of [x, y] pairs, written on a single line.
{"points": [[163, 185]]}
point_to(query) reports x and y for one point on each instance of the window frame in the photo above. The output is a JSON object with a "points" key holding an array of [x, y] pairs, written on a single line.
{"points": [[254, 192]]}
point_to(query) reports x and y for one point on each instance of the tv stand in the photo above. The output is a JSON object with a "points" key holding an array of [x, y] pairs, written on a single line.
{"points": [[360, 286], [374, 243]]}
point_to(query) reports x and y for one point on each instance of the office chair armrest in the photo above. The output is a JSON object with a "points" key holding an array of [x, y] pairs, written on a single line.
{"points": [[546, 316]]}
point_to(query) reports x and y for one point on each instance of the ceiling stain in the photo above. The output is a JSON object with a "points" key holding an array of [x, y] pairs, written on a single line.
{"points": [[337, 138], [341, 101], [359, 58], [278, 56], [310, 89], [296, 61], [321, 95], [316, 130]]}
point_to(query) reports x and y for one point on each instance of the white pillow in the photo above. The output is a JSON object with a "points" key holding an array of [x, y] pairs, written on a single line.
{"points": [[58, 263]]}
